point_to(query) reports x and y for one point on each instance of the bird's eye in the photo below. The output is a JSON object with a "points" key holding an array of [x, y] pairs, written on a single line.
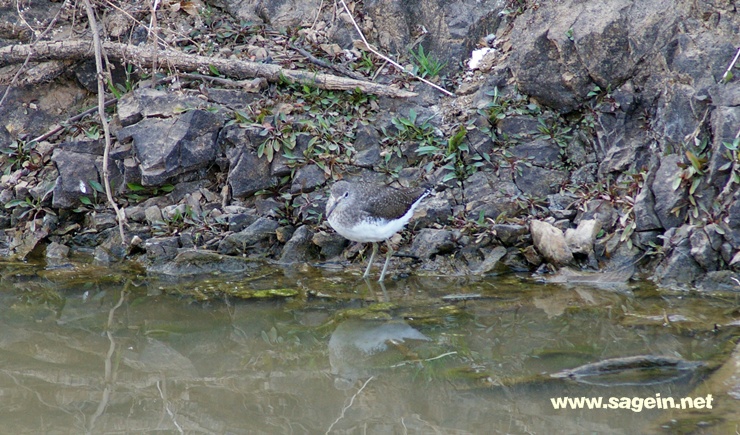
{"points": [[346, 194]]}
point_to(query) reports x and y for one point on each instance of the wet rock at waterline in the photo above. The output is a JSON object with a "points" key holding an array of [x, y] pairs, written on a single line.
{"points": [[550, 242]]}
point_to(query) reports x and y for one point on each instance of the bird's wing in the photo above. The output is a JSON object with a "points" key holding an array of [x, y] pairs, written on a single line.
{"points": [[391, 203]]}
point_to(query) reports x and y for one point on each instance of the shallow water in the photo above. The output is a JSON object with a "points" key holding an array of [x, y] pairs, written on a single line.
{"points": [[100, 350]]}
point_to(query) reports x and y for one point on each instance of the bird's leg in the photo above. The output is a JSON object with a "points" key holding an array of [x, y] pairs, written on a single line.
{"points": [[370, 263], [387, 259]]}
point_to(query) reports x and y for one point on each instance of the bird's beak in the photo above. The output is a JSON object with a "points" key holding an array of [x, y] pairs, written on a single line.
{"points": [[332, 205]]}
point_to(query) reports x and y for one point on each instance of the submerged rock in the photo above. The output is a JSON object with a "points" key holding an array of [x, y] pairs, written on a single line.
{"points": [[635, 370], [192, 262], [240, 242]]}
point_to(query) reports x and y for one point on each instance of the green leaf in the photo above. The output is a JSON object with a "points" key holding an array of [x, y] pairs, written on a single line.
{"points": [[96, 186], [676, 183], [694, 185], [16, 202], [213, 70], [135, 187], [427, 149], [85, 200], [167, 188]]}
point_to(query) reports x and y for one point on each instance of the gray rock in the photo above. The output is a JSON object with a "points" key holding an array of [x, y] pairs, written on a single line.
{"points": [[194, 263], [490, 261], [678, 267], [518, 126], [728, 254], [247, 172], [109, 249], [170, 147], [269, 207], [643, 239], [56, 250], [76, 170], [601, 210], [491, 194], [557, 61], [721, 280], [550, 242], [331, 244], [666, 198], [299, 247], [174, 211], [56, 255], [584, 174], [153, 214], [135, 213], [367, 145], [434, 209], [510, 234], [539, 152], [262, 229], [644, 208], [560, 206], [429, 242], [160, 249], [724, 123], [284, 233], [239, 221], [705, 248], [282, 165], [733, 224], [307, 178], [581, 240], [148, 102], [100, 221], [539, 182]]}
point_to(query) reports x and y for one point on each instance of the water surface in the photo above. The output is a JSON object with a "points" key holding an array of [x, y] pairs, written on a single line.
{"points": [[100, 350]]}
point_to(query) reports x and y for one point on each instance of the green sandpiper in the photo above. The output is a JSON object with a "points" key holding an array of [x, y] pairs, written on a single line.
{"points": [[364, 212]]}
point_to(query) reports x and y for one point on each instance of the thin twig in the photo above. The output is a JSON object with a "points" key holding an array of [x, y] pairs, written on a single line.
{"points": [[423, 360], [318, 14], [320, 62], [349, 405], [386, 58], [75, 118], [120, 216]]}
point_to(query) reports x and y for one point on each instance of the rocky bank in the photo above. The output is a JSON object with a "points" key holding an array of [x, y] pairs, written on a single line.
{"points": [[587, 136]]}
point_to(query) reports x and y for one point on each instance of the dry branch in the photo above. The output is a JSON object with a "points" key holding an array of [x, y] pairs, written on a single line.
{"points": [[239, 69], [120, 216]]}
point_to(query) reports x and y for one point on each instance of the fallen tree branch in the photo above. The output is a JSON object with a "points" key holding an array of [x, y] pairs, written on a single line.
{"points": [[239, 69]]}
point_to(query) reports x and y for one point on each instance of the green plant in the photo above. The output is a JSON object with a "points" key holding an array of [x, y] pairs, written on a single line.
{"points": [[733, 160], [32, 207], [93, 132], [365, 64], [20, 154], [97, 188], [555, 130], [139, 193], [278, 135], [425, 65], [118, 89], [691, 177]]}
